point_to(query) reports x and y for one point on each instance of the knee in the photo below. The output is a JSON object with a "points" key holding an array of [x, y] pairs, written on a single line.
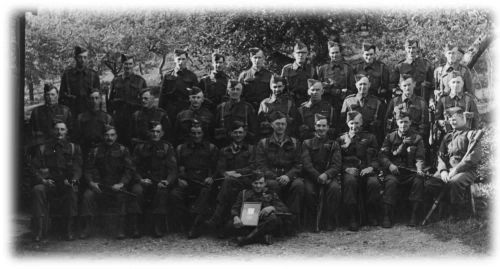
{"points": [[334, 187], [137, 189], [88, 195], [372, 182], [390, 181], [39, 189], [350, 180], [297, 184]]}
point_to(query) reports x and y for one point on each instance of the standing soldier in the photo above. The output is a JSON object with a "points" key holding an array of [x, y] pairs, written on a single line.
{"points": [[76, 83], [124, 97], [376, 71], [420, 69], [174, 95], [231, 110], [149, 112], [214, 85], [108, 172], [371, 107], [442, 73], [197, 160], [315, 106], [278, 157], [402, 151], [359, 162], [256, 79], [322, 162], [337, 75], [57, 166], [156, 170], [195, 111], [89, 125], [297, 73], [278, 101]]}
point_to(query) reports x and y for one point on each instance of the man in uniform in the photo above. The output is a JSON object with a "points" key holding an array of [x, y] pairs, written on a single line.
{"points": [[359, 166], [420, 69], [57, 166], [109, 172], [256, 79], [376, 71], [442, 73], [197, 160], [322, 162], [174, 95], [402, 149], [315, 106], [156, 170], [77, 82], [297, 73], [278, 157], [195, 111], [371, 107], [124, 97], [214, 85], [149, 112], [232, 110]]}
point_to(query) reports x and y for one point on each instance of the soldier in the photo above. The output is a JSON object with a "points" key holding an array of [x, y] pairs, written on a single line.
{"points": [[376, 71], [109, 172], [57, 166], [76, 83], [214, 85], [174, 95], [156, 170], [231, 110], [442, 73], [371, 107], [42, 118], [359, 166], [256, 79], [89, 125], [337, 75], [322, 162], [316, 105], [278, 101], [269, 222], [235, 164], [278, 156], [197, 160], [149, 112], [195, 111], [420, 69], [297, 73], [124, 97], [408, 102], [402, 149]]}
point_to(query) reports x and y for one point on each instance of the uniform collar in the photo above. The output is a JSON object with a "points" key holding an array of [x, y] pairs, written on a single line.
{"points": [[456, 96], [410, 99], [125, 76], [296, 65], [274, 140], [408, 133]]}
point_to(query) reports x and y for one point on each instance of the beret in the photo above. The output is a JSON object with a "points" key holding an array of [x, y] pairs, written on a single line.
{"points": [[454, 110], [152, 124], [401, 114], [368, 46], [275, 79], [193, 90], [276, 115], [299, 46], [353, 115], [79, 50], [311, 82], [358, 77], [179, 52], [236, 125], [318, 117], [411, 42]]}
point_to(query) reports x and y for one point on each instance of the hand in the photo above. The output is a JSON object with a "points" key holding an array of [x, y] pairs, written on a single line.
{"points": [[452, 173], [346, 143], [237, 222], [366, 171], [146, 181], [117, 186], [163, 184], [394, 169], [420, 172], [352, 171], [407, 140], [266, 211], [183, 183], [95, 187], [49, 182], [322, 178], [283, 180], [441, 123], [469, 115], [66, 182], [445, 176], [209, 180], [344, 90]]}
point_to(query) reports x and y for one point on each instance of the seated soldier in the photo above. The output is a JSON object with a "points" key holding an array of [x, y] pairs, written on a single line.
{"points": [[359, 162], [322, 162], [57, 166], [108, 173], [401, 152], [269, 221]]}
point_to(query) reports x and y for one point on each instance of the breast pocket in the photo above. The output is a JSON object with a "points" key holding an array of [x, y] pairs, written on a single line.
{"points": [[415, 113]]}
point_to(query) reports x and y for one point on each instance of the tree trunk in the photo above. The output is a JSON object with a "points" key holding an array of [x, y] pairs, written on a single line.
{"points": [[163, 59], [476, 49], [31, 90]]}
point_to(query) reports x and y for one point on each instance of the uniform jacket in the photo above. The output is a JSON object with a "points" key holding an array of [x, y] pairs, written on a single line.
{"points": [[359, 150], [109, 165], [441, 78], [267, 198], [465, 101], [276, 159], [78, 83], [392, 143], [126, 89], [241, 160], [227, 112], [255, 85], [339, 75], [198, 160], [372, 109], [155, 160], [296, 77], [417, 108], [378, 74], [453, 148], [317, 153], [420, 69], [173, 88], [42, 118], [214, 87]]}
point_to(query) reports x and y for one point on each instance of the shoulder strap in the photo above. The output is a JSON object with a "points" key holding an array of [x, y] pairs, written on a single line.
{"points": [[289, 106], [246, 115], [72, 149], [346, 71], [222, 114]]}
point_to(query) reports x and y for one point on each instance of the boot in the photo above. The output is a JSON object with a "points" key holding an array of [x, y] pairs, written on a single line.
{"points": [[372, 215], [157, 225], [387, 223], [38, 229], [353, 218], [268, 239], [195, 232], [414, 210], [85, 227], [69, 229], [120, 226], [249, 239], [332, 221], [134, 219]]}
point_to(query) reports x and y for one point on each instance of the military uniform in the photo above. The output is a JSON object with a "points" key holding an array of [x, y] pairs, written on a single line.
{"points": [[184, 119], [372, 109], [442, 77], [465, 101], [255, 85], [307, 112], [174, 96], [284, 104], [42, 119], [75, 88], [296, 77], [89, 127], [378, 74], [422, 72], [317, 153], [416, 107], [338, 75], [140, 120], [228, 112], [214, 87]]}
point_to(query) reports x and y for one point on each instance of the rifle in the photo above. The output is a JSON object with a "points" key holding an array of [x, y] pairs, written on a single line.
{"points": [[108, 189], [199, 183], [321, 195]]}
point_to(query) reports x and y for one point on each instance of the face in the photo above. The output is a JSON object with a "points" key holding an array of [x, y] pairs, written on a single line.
{"points": [[60, 131], [334, 53], [369, 56], [279, 126], [363, 85], [147, 100], [95, 100], [457, 121], [110, 137], [180, 61], [128, 66], [355, 125], [456, 85], [411, 51], [156, 133], [404, 124], [82, 60], [219, 64], [235, 92], [452, 56], [196, 100], [258, 60], [51, 97], [238, 135], [316, 92], [407, 87], [259, 185], [321, 127], [300, 55], [196, 134], [277, 88]]}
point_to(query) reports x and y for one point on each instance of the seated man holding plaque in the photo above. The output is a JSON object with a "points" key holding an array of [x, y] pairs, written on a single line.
{"points": [[257, 213]]}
